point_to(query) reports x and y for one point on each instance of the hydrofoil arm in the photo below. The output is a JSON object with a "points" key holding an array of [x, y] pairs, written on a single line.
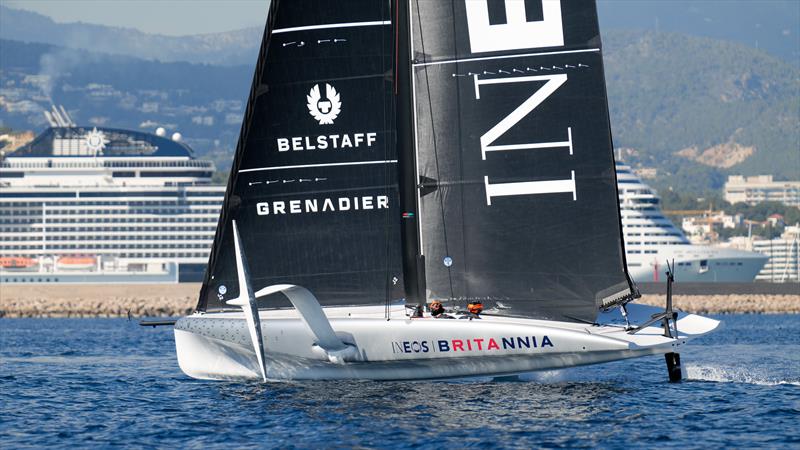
{"points": [[315, 319], [247, 301]]}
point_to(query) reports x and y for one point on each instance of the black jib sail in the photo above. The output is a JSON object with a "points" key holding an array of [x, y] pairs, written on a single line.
{"points": [[518, 199], [313, 187]]}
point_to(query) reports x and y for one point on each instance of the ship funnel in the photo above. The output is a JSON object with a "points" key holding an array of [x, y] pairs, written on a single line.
{"points": [[67, 119], [58, 117], [50, 119]]}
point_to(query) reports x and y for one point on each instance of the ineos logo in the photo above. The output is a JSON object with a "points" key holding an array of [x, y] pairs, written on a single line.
{"points": [[513, 24]]}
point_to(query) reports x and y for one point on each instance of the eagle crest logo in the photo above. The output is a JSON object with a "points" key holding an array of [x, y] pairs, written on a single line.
{"points": [[324, 110]]}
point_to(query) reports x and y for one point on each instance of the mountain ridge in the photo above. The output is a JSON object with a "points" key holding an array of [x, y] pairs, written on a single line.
{"points": [[226, 48], [681, 104], [669, 92]]}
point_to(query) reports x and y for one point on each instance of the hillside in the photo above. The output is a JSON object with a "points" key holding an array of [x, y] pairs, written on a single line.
{"points": [[698, 108], [694, 108], [229, 48], [205, 103], [770, 26]]}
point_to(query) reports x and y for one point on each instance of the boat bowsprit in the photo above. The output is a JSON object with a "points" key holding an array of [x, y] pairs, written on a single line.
{"points": [[485, 178]]}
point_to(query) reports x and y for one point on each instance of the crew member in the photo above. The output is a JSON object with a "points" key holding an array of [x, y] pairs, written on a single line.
{"points": [[437, 310], [475, 308]]}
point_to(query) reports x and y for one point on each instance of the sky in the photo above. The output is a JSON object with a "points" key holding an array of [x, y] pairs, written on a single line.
{"points": [[169, 17], [773, 25]]}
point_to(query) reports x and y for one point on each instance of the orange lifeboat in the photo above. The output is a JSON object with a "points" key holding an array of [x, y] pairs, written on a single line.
{"points": [[76, 262], [17, 263]]}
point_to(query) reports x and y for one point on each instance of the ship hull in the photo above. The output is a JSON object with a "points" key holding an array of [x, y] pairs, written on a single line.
{"points": [[697, 264], [217, 346]]}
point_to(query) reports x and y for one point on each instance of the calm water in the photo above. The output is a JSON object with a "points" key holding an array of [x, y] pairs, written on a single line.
{"points": [[108, 382]]}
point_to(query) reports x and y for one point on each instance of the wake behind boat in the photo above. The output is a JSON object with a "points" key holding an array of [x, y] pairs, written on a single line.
{"points": [[483, 179]]}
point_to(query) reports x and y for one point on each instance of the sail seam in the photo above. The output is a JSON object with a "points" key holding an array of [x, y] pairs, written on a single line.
{"points": [[521, 55], [304, 166], [435, 155], [333, 25]]}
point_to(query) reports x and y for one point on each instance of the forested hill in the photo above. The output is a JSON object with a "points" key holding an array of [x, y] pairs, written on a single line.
{"points": [[698, 109]]}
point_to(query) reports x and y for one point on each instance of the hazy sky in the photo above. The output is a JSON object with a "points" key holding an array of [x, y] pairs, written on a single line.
{"points": [[171, 17], [181, 17]]}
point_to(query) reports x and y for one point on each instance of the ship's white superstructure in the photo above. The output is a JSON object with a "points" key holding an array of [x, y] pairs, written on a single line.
{"points": [[91, 204], [651, 241]]}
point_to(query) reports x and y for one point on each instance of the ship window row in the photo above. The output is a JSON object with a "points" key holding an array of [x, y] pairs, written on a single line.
{"points": [[86, 203], [649, 225], [80, 195], [94, 163], [191, 174], [54, 222], [83, 212], [88, 194], [680, 242], [140, 237], [91, 247], [117, 164], [638, 252], [135, 255], [110, 229]]}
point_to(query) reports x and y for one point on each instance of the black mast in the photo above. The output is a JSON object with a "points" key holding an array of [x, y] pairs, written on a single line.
{"points": [[413, 259]]}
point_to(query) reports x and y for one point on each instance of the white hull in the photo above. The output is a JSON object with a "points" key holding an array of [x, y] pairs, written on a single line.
{"points": [[218, 346], [651, 240], [696, 264]]}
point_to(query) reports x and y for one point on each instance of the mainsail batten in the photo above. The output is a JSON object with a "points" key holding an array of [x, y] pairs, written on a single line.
{"points": [[314, 184], [512, 131]]}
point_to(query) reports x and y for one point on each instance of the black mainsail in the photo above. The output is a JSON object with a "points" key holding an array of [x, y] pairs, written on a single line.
{"points": [[518, 191], [454, 150], [313, 187], [450, 149]]}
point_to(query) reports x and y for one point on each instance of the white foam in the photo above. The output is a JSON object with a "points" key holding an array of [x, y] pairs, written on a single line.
{"points": [[722, 374]]}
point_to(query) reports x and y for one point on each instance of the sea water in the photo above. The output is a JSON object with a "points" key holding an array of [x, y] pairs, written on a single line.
{"points": [[109, 382]]}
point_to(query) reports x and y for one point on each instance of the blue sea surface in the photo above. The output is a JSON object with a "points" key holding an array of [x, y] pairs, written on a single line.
{"points": [[108, 382]]}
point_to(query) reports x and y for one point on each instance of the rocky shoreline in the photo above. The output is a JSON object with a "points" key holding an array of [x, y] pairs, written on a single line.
{"points": [[180, 299]]}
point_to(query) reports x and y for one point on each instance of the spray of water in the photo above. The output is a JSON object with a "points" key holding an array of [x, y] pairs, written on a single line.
{"points": [[722, 374]]}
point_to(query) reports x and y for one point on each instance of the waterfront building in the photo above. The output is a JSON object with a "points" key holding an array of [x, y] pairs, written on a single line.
{"points": [[761, 188], [705, 228], [784, 256]]}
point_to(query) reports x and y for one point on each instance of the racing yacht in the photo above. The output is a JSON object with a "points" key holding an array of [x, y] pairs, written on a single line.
{"points": [[398, 153]]}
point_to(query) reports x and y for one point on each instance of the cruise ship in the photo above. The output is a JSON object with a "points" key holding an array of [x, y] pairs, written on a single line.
{"points": [[651, 240], [94, 204]]}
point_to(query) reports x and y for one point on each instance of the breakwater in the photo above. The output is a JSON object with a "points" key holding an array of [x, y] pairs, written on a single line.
{"points": [[162, 300], [93, 300]]}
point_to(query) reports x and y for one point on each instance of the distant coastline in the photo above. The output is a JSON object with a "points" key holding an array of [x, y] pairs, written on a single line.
{"points": [[162, 300]]}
